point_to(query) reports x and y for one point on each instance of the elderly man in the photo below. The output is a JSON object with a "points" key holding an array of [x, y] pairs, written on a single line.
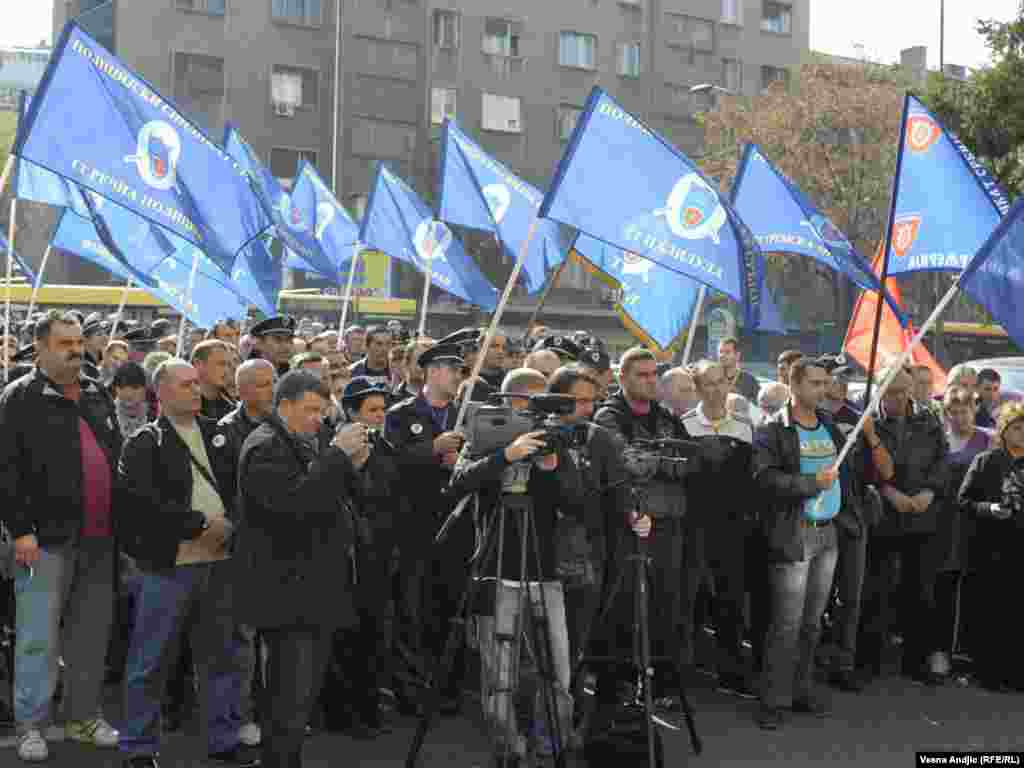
{"points": [[677, 391], [176, 522], [59, 443]]}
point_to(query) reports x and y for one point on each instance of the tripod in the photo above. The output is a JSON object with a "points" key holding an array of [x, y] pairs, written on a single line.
{"points": [[641, 661], [526, 626]]}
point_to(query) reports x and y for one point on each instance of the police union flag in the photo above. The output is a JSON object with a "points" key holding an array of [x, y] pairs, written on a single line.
{"points": [[945, 203], [480, 193], [399, 223], [99, 124], [622, 183], [332, 226]]}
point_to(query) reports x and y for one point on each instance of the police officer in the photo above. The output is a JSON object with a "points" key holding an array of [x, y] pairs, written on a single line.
{"points": [[96, 334], [272, 340], [468, 342]]}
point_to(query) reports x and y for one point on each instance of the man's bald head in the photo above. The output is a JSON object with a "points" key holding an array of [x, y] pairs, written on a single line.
{"points": [[255, 381], [773, 397], [523, 381], [543, 360], [250, 369]]}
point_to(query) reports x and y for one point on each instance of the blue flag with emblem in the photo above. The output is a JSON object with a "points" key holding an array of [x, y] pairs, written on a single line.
{"points": [[621, 182], [397, 222], [333, 227], [19, 262], [945, 203], [95, 122], [995, 276], [783, 220], [478, 192], [294, 227], [213, 295]]}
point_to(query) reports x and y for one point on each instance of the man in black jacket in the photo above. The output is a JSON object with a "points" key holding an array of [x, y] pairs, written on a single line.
{"points": [[59, 443], [375, 366], [272, 340], [794, 467], [174, 518], [293, 546]]}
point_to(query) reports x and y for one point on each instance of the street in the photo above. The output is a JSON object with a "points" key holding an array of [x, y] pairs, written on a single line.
{"points": [[883, 726]]}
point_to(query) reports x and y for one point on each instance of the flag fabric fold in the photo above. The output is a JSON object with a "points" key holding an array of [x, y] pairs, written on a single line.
{"points": [[478, 192], [397, 222], [19, 263], [333, 227]]}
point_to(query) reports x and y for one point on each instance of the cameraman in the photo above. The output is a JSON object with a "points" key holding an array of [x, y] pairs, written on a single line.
{"points": [[552, 483]]}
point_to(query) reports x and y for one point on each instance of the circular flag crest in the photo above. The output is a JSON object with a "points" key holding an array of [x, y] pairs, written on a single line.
{"points": [[922, 133], [693, 210]]}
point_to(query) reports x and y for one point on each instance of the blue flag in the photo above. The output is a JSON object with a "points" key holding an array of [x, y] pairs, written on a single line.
{"points": [[995, 276], [212, 298], [622, 183], [399, 223], [333, 227], [293, 226], [945, 204], [257, 277], [19, 263], [783, 220], [480, 193], [95, 122]]}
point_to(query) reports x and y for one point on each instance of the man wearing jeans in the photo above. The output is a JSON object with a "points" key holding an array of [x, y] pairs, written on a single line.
{"points": [[794, 465], [59, 443]]}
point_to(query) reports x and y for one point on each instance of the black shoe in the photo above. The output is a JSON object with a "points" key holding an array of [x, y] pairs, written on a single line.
{"points": [[810, 705], [239, 757], [769, 718], [736, 685], [847, 680], [141, 761]]}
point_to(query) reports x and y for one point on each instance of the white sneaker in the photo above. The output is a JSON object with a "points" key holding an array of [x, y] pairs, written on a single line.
{"points": [[32, 747], [96, 732], [250, 735]]}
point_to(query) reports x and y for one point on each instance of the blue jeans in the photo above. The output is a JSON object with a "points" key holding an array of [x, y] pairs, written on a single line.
{"points": [[800, 593], [71, 585], [165, 600]]}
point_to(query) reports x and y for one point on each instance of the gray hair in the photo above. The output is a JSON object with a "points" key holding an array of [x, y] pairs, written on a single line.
{"points": [[518, 380], [164, 368]]}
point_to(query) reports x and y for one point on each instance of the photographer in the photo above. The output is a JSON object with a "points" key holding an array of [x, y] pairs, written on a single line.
{"points": [[552, 483]]}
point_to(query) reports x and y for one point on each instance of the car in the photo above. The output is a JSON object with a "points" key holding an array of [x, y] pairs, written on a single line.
{"points": [[1010, 370]]}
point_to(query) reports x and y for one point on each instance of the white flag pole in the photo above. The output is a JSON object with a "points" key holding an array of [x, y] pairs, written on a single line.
{"points": [[427, 277], [495, 319], [693, 326], [120, 309], [356, 249], [188, 302], [11, 229], [39, 282]]}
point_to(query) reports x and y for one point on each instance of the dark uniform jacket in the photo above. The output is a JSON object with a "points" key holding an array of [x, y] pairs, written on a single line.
{"points": [[236, 427], [785, 488], [154, 506], [295, 537], [985, 484], [217, 409], [41, 454]]}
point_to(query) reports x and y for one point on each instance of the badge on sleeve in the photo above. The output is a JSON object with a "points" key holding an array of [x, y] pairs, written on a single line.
{"points": [[218, 441], [416, 429]]}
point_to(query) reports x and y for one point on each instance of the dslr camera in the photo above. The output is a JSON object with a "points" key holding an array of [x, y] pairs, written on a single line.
{"points": [[490, 427]]}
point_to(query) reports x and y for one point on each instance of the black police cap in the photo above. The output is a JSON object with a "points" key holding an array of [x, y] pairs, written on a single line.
{"points": [[595, 358], [281, 325], [25, 354], [96, 328], [466, 337], [139, 336], [361, 387], [836, 365], [442, 354], [563, 345]]}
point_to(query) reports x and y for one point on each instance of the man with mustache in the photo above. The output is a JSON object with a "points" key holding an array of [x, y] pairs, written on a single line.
{"points": [[59, 445]]}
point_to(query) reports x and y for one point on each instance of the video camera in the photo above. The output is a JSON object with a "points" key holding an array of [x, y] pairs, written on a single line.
{"points": [[490, 427], [665, 459]]}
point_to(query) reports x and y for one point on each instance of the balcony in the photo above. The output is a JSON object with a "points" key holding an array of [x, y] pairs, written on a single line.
{"points": [[504, 67]]}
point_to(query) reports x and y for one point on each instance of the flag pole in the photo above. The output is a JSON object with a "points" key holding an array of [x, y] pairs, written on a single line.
{"points": [[120, 309], [188, 302], [356, 248], [11, 229], [495, 319], [8, 166], [547, 292], [428, 276], [693, 325], [895, 368], [39, 282]]}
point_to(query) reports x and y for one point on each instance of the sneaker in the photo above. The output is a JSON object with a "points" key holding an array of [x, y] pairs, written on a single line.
{"points": [[32, 747], [769, 718], [810, 705], [250, 735], [96, 732]]}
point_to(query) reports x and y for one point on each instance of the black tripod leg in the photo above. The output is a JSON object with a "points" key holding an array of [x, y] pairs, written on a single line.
{"points": [[644, 656]]}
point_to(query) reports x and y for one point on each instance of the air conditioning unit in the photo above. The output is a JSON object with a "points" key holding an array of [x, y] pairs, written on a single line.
{"points": [[284, 109], [513, 125]]}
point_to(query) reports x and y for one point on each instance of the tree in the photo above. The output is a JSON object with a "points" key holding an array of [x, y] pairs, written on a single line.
{"points": [[834, 132]]}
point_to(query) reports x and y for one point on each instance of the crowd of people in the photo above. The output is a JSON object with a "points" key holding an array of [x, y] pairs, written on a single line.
{"points": [[251, 513]]}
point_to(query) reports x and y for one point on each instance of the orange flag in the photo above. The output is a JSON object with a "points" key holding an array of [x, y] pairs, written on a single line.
{"points": [[893, 339]]}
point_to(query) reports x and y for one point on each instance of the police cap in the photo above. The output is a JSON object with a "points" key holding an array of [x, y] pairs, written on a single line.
{"points": [[595, 358], [280, 325], [836, 365], [468, 338], [442, 354], [560, 344], [96, 328], [139, 336], [361, 387]]}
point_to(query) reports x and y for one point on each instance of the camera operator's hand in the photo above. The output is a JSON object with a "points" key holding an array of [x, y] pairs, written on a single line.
{"points": [[524, 446], [352, 440], [448, 442], [219, 532], [641, 524], [547, 463], [26, 549]]}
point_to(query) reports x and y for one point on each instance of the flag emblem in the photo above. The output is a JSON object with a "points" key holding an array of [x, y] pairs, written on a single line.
{"points": [[922, 132], [324, 216], [498, 200], [432, 239], [633, 264], [291, 215], [693, 211], [156, 155], [904, 233]]}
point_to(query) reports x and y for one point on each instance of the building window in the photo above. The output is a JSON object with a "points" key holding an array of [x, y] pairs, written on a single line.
{"points": [[690, 32], [501, 113], [442, 104], [199, 86], [732, 75], [304, 12], [212, 7], [567, 117], [777, 17], [501, 37], [285, 162], [771, 75], [577, 49], [732, 12], [294, 88], [446, 29], [629, 59]]}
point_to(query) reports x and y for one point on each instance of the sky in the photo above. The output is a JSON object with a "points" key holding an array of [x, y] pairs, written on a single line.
{"points": [[877, 29]]}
